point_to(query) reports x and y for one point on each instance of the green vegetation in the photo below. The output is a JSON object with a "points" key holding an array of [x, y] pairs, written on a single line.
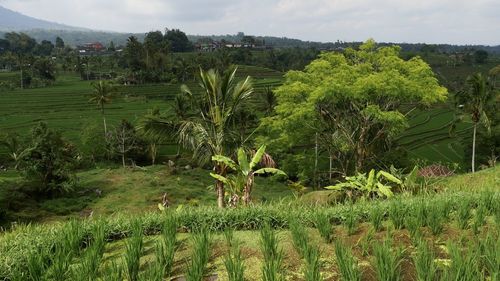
{"points": [[126, 190]]}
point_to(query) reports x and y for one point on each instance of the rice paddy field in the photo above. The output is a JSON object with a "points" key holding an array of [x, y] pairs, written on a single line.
{"points": [[446, 231]]}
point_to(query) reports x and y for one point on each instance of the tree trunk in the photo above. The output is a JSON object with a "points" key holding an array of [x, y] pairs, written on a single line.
{"points": [[219, 186], [316, 161], [104, 121], [474, 148], [123, 160], [331, 167], [247, 191]]}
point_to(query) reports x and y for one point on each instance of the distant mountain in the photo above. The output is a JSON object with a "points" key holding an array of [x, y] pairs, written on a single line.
{"points": [[14, 21]]}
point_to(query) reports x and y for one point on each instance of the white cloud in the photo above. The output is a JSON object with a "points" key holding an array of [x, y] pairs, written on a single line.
{"points": [[432, 21]]}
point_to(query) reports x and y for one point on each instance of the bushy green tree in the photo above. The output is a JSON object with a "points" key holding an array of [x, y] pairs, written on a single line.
{"points": [[49, 160], [353, 100]]}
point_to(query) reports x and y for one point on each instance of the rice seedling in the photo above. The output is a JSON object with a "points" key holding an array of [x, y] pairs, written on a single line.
{"points": [[133, 251], [167, 245], [413, 226], [490, 255], [464, 265], [496, 210], [36, 266], [312, 269], [201, 243], [60, 261], [479, 218], [435, 219], [93, 255], [365, 242], [377, 215], [464, 214], [423, 259], [113, 272], [272, 268], [351, 221], [420, 211], [346, 263], [233, 260], [154, 272], [387, 261], [487, 199], [397, 214], [324, 226], [299, 237]]}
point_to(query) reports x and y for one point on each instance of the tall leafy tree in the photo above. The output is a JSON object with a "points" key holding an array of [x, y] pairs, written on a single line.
{"points": [[476, 96], [210, 130], [355, 96], [102, 94]]}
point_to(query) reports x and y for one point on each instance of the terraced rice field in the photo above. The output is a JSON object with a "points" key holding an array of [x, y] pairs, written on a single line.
{"points": [[65, 105], [429, 137]]}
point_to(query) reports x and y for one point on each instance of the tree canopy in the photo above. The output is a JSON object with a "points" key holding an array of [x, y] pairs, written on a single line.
{"points": [[353, 101]]}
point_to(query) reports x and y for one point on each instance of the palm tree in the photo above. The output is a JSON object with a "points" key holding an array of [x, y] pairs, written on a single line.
{"points": [[211, 130], [477, 94], [102, 94]]}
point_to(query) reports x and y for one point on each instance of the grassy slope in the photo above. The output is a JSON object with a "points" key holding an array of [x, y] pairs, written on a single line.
{"points": [[124, 190], [361, 240]]}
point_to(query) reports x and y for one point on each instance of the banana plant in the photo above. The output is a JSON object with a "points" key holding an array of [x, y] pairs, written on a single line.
{"points": [[241, 182], [379, 183]]}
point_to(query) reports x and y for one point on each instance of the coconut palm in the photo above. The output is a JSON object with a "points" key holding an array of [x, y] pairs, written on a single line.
{"points": [[211, 129], [477, 94], [101, 95]]}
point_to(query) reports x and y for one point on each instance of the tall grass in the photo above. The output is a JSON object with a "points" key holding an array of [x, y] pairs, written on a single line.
{"points": [[299, 237], [133, 251], [420, 212], [351, 220], [387, 261], [325, 229], [113, 272], [397, 214], [200, 255], [435, 218], [489, 248], [346, 263], [479, 217], [464, 213], [464, 264], [377, 215], [272, 268], [167, 245], [425, 266], [36, 265], [312, 269], [65, 250], [233, 261]]}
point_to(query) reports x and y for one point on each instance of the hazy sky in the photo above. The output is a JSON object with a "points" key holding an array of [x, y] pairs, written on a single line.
{"points": [[430, 21]]}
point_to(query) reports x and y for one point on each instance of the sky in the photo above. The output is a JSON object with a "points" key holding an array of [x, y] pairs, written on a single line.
{"points": [[411, 21]]}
